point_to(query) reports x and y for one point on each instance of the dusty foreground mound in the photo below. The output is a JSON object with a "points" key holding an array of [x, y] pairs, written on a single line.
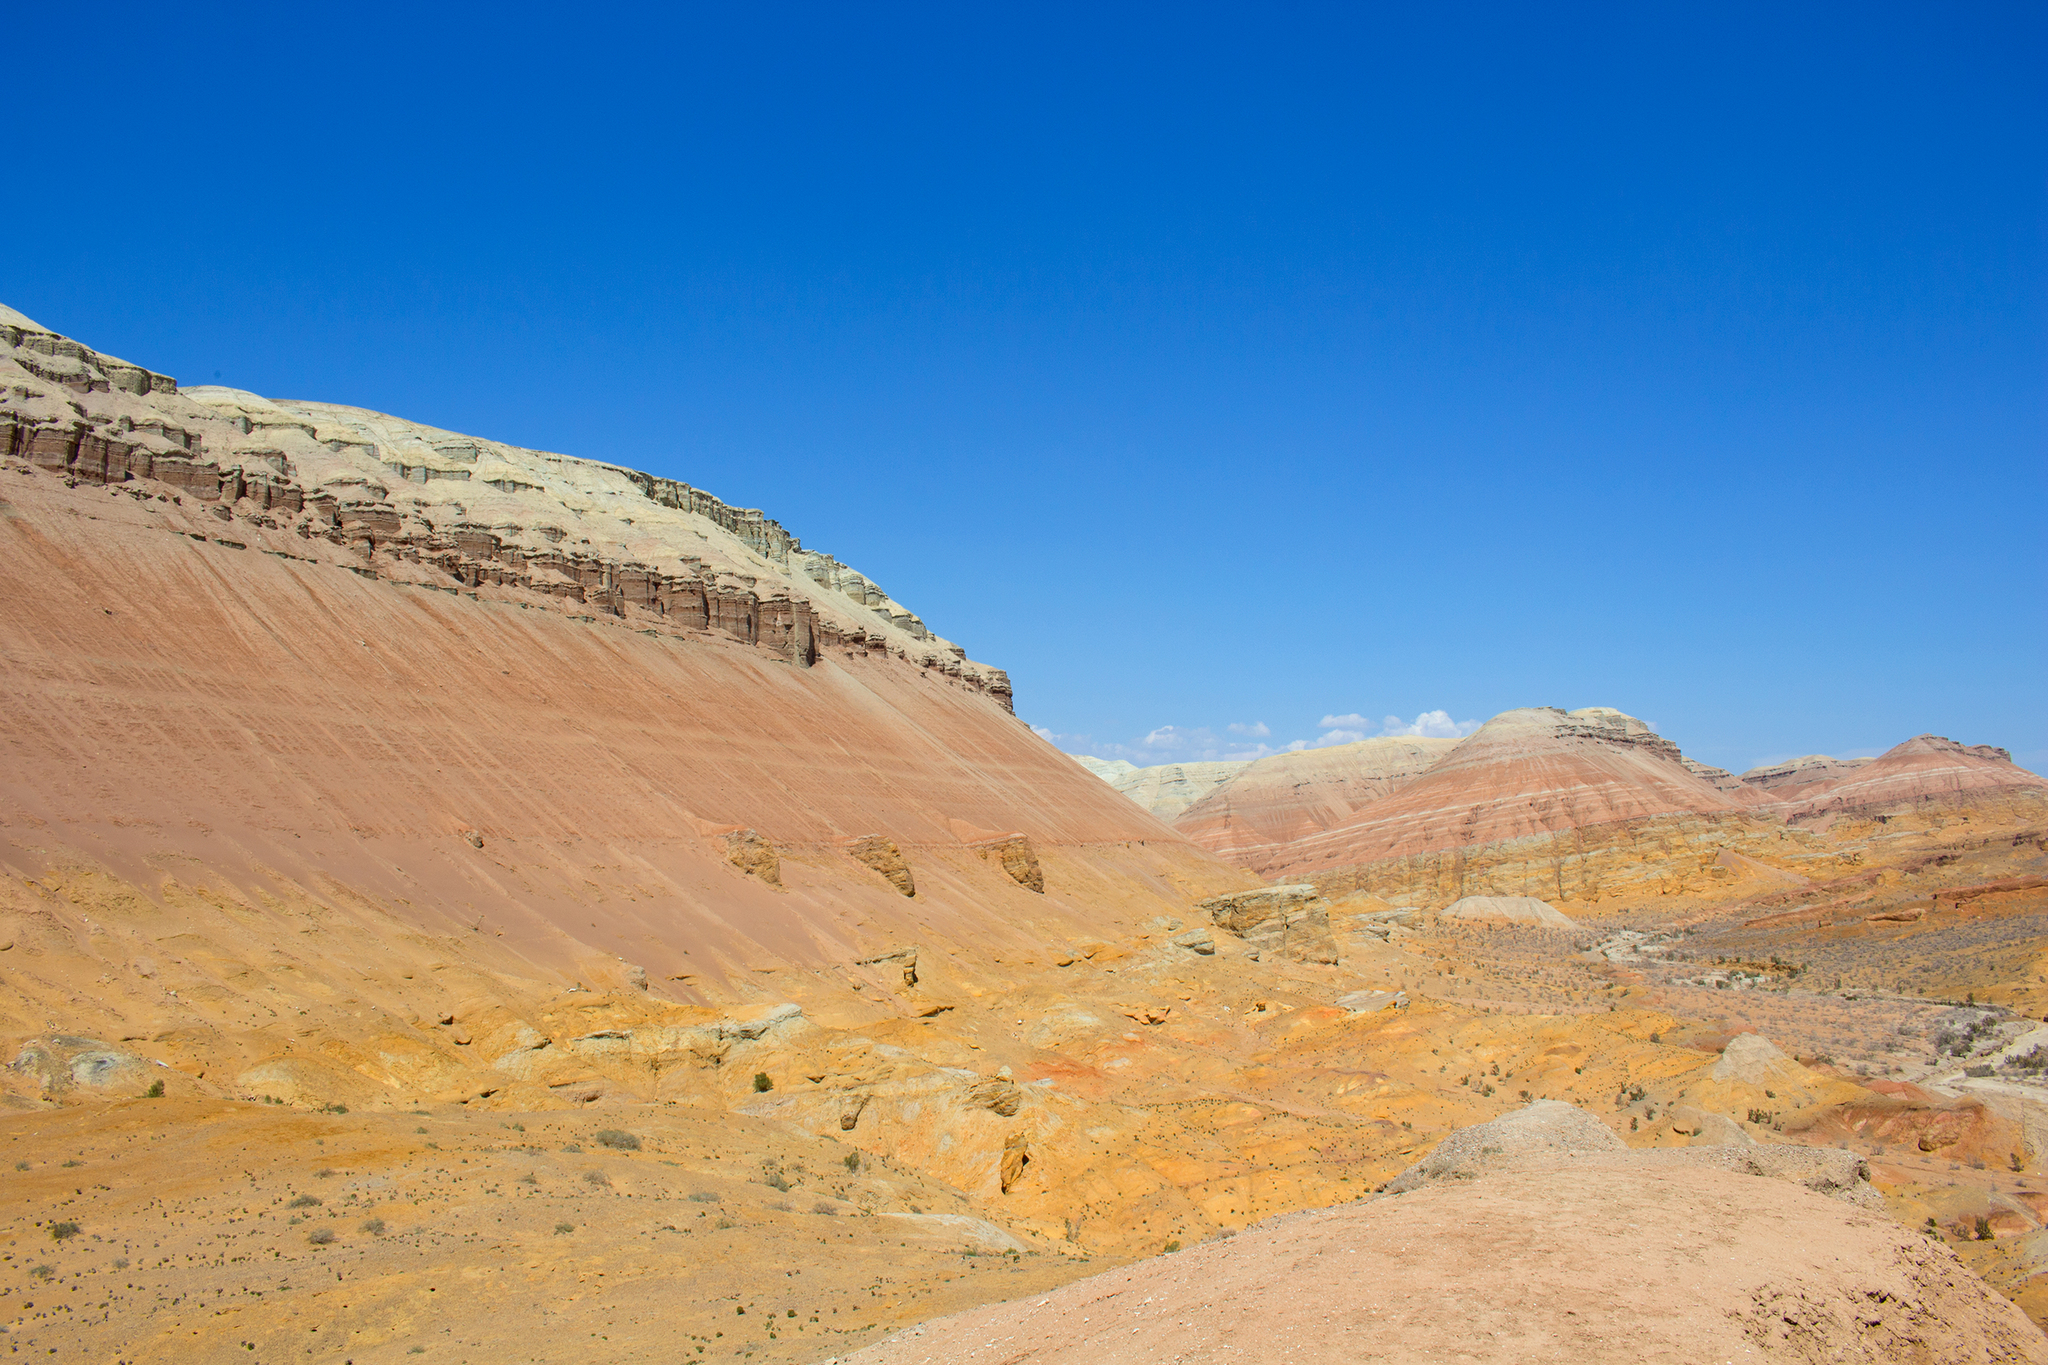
{"points": [[1553, 1264]]}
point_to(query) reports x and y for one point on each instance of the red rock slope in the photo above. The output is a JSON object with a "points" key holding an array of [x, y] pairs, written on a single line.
{"points": [[1926, 771], [1529, 772], [342, 660], [1279, 800]]}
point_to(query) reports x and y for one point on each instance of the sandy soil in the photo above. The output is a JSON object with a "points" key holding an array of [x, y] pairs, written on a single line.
{"points": [[1560, 1265]]}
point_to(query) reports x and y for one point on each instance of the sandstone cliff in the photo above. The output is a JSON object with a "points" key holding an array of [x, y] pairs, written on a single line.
{"points": [[466, 511]]}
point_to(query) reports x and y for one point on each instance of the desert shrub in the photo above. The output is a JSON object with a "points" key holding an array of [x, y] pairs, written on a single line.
{"points": [[69, 1164], [722, 1224], [421, 1129], [619, 1140], [529, 1179], [325, 1173], [851, 1161], [60, 1231], [1983, 1229], [2019, 1162], [564, 1227], [21, 1165], [777, 1180], [373, 1226], [155, 1091], [596, 1178], [762, 1083], [41, 1272], [703, 1197], [1172, 1244], [1981, 1069], [120, 1263], [305, 1201], [822, 1207], [320, 1237], [572, 1147], [334, 1109]]}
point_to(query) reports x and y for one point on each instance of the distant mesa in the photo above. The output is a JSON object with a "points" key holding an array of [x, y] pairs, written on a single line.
{"points": [[1278, 800], [1165, 790]]}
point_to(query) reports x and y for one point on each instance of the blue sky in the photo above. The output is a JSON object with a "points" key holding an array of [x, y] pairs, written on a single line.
{"points": [[1305, 370]]}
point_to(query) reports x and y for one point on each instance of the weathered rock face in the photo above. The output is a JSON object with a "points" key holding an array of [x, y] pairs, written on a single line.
{"points": [[1165, 790], [1288, 921], [1257, 812], [1926, 772], [247, 637], [473, 511], [1014, 854], [874, 851], [750, 853]]}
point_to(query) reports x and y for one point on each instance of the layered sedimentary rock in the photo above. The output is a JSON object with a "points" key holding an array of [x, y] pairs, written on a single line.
{"points": [[1166, 789], [1254, 814], [1292, 922], [1927, 772], [329, 657], [1798, 778], [1539, 778], [470, 511]]}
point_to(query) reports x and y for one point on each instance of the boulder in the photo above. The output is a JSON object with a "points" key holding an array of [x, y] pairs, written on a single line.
{"points": [[1288, 921]]}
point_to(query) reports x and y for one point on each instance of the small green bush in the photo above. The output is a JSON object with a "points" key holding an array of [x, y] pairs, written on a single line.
{"points": [[1172, 1244], [851, 1160], [155, 1091], [618, 1140], [60, 1231], [373, 1226], [305, 1201], [1983, 1229], [320, 1237], [564, 1227], [762, 1083]]}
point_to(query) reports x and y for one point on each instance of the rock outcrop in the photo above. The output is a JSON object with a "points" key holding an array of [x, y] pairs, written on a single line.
{"points": [[1013, 853], [874, 851], [404, 497], [1257, 812], [1292, 922]]}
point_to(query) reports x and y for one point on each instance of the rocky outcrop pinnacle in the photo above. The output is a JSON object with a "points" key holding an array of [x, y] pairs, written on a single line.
{"points": [[579, 532]]}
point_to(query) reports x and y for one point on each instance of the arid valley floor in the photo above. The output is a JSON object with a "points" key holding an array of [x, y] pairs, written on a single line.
{"points": [[472, 903]]}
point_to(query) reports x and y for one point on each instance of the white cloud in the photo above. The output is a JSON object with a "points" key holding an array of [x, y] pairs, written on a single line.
{"points": [[1354, 721], [1256, 730], [1429, 725]]}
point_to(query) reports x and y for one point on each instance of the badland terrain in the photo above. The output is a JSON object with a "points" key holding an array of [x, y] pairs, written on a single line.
{"points": [[464, 901]]}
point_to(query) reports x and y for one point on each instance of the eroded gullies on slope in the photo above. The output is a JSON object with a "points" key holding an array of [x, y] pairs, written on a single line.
{"points": [[355, 812]]}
